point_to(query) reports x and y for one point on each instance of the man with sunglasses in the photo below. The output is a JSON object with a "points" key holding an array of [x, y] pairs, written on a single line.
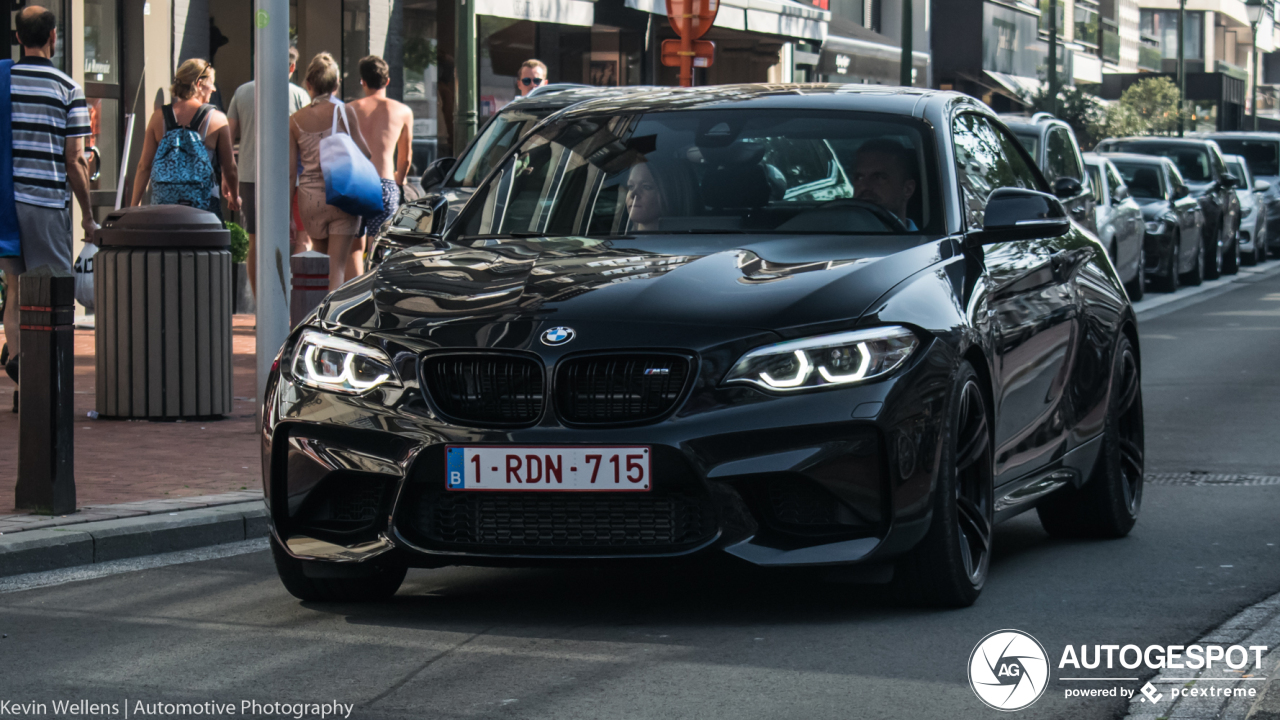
{"points": [[533, 75]]}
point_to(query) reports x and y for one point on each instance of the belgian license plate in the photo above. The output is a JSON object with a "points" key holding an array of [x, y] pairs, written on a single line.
{"points": [[548, 469]]}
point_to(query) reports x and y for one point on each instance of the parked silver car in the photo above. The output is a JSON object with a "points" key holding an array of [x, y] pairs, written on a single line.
{"points": [[1120, 224], [1253, 210]]}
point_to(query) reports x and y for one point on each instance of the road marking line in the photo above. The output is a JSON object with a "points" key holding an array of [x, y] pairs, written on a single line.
{"points": [[31, 581]]}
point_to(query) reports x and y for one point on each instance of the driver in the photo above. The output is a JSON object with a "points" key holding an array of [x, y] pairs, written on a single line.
{"points": [[882, 174], [644, 201]]}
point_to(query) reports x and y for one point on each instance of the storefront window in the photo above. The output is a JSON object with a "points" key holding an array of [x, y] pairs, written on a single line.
{"points": [[104, 118], [355, 45], [59, 60], [504, 45], [101, 55], [421, 64]]}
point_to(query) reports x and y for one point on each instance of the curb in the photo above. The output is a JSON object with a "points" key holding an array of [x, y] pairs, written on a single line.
{"points": [[1267, 706], [94, 542]]}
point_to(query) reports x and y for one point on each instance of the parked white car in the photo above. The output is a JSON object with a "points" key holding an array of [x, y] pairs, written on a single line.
{"points": [[1120, 225], [1253, 210]]}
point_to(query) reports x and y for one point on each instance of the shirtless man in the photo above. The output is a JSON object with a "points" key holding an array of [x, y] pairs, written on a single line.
{"points": [[387, 127]]}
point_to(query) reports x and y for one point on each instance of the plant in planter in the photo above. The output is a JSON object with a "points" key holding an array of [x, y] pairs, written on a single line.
{"points": [[241, 293]]}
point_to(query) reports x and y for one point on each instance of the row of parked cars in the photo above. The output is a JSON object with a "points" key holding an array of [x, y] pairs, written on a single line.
{"points": [[1171, 211]]}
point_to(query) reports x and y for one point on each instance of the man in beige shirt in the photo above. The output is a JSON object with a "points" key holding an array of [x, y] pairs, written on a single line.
{"points": [[387, 127]]}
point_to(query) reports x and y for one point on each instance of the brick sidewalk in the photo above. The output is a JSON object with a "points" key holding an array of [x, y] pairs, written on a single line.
{"points": [[127, 461]]}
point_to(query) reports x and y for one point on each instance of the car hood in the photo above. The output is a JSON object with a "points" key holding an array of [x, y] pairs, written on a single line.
{"points": [[765, 282]]}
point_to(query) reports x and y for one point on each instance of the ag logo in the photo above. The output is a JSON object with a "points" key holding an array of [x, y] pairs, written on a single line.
{"points": [[557, 336], [1008, 670]]}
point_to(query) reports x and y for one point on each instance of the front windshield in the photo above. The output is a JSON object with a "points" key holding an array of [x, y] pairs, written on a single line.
{"points": [[498, 137], [1262, 156], [1192, 161], [1143, 179], [712, 171]]}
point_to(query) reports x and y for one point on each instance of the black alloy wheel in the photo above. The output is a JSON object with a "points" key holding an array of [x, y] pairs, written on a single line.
{"points": [[378, 583], [948, 568], [1168, 282], [1138, 288], [1259, 248], [1107, 505], [1196, 274]]}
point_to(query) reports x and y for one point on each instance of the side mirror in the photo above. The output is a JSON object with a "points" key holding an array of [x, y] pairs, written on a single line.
{"points": [[1262, 186], [437, 172], [1119, 194], [1018, 214], [1067, 187], [1180, 192], [1228, 180]]}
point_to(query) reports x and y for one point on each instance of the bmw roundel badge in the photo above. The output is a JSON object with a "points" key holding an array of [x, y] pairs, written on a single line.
{"points": [[558, 336]]}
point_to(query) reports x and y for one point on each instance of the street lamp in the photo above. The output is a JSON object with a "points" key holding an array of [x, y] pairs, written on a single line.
{"points": [[1255, 9]]}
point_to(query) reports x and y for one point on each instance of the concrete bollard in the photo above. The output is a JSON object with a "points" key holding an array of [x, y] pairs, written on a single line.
{"points": [[310, 272], [46, 471]]}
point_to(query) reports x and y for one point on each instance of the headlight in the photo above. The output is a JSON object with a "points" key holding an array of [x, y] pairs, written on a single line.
{"points": [[826, 360], [339, 365], [1156, 227]]}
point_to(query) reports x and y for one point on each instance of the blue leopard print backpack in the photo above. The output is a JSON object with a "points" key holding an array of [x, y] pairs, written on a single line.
{"points": [[182, 173]]}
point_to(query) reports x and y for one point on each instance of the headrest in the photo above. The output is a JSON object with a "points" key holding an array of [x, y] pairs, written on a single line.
{"points": [[736, 187]]}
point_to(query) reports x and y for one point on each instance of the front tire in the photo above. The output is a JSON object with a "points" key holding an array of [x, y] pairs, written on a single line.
{"points": [[1168, 282], [1231, 260], [1107, 505], [1138, 288], [1213, 258], [378, 584], [1195, 275], [948, 568]]}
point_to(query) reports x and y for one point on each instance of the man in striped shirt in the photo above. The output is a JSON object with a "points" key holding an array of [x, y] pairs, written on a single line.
{"points": [[50, 121]]}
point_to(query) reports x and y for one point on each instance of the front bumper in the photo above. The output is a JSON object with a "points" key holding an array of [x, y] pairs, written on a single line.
{"points": [[1157, 247], [828, 477]]}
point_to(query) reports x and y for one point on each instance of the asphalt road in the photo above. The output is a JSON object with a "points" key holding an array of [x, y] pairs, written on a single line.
{"points": [[710, 641]]}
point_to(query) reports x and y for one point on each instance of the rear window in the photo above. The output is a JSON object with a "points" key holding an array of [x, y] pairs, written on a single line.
{"points": [[1030, 142], [1233, 167], [1192, 160], [1262, 156], [1095, 181], [1143, 179]]}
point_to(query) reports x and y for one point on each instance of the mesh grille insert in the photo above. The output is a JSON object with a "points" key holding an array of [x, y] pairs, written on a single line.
{"points": [[619, 388], [563, 521], [486, 389]]}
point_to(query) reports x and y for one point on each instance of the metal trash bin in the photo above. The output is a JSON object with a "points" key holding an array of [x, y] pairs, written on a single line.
{"points": [[162, 285]]}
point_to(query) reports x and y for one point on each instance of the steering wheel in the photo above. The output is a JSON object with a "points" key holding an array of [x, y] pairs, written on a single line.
{"points": [[894, 222]]}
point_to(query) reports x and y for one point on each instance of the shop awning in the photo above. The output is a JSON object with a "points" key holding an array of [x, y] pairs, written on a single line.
{"points": [[563, 12], [1022, 88], [837, 45], [773, 17]]}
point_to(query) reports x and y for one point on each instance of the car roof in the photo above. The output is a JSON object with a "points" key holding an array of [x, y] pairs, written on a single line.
{"points": [[1135, 158], [1240, 134], [549, 102], [1197, 141], [1037, 123], [1095, 159], [861, 97]]}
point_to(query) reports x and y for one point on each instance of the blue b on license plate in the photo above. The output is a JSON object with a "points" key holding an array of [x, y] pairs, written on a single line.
{"points": [[520, 468]]}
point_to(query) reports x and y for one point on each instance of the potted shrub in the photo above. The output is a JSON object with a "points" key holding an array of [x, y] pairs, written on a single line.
{"points": [[241, 294]]}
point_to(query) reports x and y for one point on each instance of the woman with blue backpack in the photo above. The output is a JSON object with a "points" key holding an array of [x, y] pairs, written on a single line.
{"points": [[187, 155]]}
